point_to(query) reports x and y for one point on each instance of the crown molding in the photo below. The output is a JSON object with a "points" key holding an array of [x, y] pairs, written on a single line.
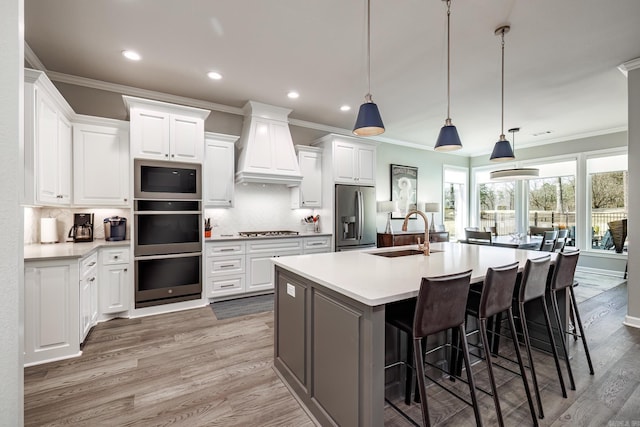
{"points": [[33, 60], [628, 66]]}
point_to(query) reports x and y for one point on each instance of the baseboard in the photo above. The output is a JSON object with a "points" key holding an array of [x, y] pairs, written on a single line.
{"points": [[600, 271], [634, 322]]}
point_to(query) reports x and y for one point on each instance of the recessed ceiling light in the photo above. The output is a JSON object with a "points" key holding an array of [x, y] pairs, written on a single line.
{"points": [[214, 75], [130, 54], [345, 108], [293, 94]]}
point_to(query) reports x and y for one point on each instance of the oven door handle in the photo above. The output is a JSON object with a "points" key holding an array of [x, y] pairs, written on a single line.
{"points": [[180, 255], [167, 212]]}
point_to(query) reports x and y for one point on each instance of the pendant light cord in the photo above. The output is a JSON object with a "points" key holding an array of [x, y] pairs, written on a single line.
{"points": [[502, 137], [448, 62], [368, 51]]}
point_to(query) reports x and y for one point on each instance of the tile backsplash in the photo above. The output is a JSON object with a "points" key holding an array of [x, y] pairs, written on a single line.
{"points": [[258, 207], [64, 218]]}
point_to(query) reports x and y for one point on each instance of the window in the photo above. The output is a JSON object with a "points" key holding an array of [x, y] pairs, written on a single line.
{"points": [[455, 201], [607, 180], [496, 204], [552, 198]]}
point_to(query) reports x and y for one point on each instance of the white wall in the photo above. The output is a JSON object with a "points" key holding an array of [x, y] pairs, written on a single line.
{"points": [[11, 264], [633, 287]]}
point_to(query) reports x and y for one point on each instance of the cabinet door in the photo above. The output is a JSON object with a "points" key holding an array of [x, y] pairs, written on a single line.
{"points": [[150, 134], [101, 172], [47, 151], [52, 328], [85, 308], [366, 157], [344, 162], [114, 296], [186, 138], [219, 178], [311, 186], [65, 157], [260, 270]]}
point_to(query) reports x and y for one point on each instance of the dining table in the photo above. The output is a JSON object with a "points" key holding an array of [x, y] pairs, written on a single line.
{"points": [[525, 242]]}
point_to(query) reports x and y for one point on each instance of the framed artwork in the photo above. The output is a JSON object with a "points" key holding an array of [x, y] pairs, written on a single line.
{"points": [[404, 189]]}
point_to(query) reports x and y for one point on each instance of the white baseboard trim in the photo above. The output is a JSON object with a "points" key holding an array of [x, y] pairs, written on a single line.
{"points": [[590, 270], [634, 322]]}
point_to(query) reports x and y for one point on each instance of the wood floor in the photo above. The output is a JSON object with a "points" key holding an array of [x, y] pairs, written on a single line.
{"points": [[190, 369]]}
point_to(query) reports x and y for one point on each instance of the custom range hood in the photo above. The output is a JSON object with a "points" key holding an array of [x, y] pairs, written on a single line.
{"points": [[266, 149]]}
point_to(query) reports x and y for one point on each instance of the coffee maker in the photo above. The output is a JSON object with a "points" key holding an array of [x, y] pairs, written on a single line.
{"points": [[82, 230]]}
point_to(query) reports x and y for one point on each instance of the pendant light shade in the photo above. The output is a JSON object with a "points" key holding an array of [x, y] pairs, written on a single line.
{"points": [[448, 139], [369, 122]]}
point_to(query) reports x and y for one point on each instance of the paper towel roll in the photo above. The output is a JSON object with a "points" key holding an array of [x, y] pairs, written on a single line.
{"points": [[48, 230]]}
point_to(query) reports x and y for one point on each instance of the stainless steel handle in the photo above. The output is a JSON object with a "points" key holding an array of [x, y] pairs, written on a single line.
{"points": [[227, 266], [166, 155], [93, 279], [360, 214], [126, 269], [228, 286], [316, 244], [92, 264], [227, 250]]}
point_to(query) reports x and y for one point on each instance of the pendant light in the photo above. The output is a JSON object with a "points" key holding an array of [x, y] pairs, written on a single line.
{"points": [[448, 140], [514, 173], [369, 122], [502, 151]]}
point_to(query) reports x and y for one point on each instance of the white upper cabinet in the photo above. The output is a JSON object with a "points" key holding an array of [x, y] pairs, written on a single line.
{"points": [[162, 131], [47, 148], [218, 170], [353, 160], [309, 193], [101, 164]]}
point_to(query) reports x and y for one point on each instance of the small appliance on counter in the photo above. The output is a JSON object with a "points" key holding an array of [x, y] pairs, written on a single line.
{"points": [[48, 230], [115, 228], [82, 229]]}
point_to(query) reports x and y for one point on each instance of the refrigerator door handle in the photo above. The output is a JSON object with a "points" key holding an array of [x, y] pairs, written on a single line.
{"points": [[360, 214]]}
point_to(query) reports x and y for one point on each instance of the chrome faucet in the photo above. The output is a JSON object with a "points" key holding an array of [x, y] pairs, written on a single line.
{"points": [[424, 247]]}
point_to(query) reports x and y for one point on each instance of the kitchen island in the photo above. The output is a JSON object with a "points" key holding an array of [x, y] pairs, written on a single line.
{"points": [[330, 320]]}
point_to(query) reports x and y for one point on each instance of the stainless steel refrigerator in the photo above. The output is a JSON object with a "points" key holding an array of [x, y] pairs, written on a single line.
{"points": [[355, 217]]}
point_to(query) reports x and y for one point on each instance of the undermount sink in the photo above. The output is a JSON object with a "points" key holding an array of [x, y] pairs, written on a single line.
{"points": [[404, 252]]}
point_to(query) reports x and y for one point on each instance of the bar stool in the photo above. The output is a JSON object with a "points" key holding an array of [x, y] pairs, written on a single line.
{"points": [[496, 298], [561, 279], [532, 287], [440, 306]]}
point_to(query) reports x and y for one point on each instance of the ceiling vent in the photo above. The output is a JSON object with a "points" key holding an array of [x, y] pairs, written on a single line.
{"points": [[266, 149]]}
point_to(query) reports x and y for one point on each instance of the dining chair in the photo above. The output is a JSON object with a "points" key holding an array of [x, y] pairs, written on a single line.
{"points": [[548, 241], [440, 306], [538, 231], [561, 240], [478, 237], [493, 230]]}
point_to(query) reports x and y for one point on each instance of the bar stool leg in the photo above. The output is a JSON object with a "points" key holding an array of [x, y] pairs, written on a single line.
{"points": [[554, 350], [492, 380], [574, 303], [419, 362], [409, 372], [556, 312], [472, 385], [527, 345]]}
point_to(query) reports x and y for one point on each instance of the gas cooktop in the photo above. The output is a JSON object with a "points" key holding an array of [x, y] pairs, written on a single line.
{"points": [[267, 233]]}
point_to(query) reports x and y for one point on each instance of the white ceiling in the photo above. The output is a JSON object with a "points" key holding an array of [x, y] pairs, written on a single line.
{"points": [[561, 59]]}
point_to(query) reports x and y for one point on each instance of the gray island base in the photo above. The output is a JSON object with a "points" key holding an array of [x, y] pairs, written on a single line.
{"points": [[329, 338]]}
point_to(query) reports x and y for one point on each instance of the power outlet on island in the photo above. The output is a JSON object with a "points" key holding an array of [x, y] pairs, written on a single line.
{"points": [[291, 290]]}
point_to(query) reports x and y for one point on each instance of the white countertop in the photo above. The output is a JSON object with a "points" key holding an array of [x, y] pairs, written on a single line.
{"points": [[53, 251], [221, 238], [376, 280]]}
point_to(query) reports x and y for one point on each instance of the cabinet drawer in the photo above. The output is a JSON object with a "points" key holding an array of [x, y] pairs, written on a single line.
{"points": [[88, 264], [225, 265], [275, 245], [224, 248], [227, 285], [317, 244], [115, 256]]}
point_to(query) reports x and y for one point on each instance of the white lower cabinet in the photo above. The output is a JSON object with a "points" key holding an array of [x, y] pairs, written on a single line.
{"points": [[51, 311], [259, 265], [225, 268], [114, 280], [316, 245], [88, 294]]}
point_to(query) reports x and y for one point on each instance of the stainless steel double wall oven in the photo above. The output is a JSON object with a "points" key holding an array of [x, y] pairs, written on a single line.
{"points": [[167, 232]]}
